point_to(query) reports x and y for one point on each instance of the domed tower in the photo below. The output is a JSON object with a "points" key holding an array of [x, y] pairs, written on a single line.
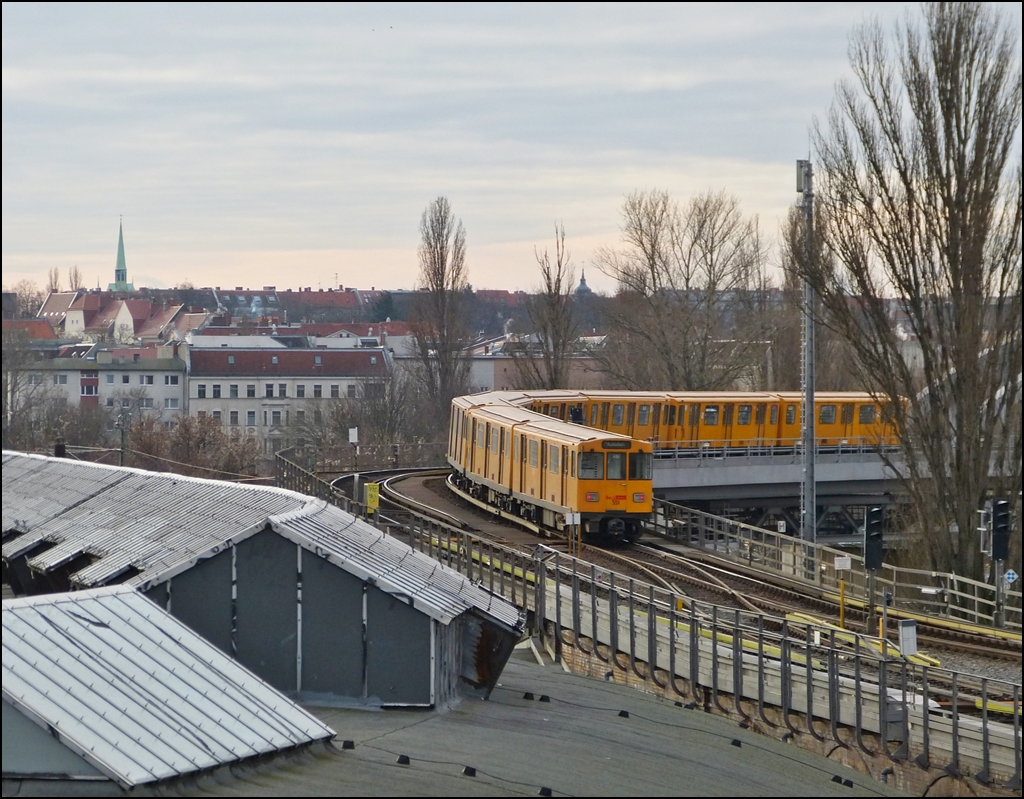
{"points": [[582, 290]]}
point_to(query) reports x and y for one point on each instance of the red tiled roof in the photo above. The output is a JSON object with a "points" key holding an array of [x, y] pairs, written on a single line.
{"points": [[318, 299], [90, 302], [297, 363], [105, 318], [155, 325], [33, 328]]}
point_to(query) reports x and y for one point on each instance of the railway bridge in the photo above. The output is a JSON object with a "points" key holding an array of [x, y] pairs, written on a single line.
{"points": [[761, 485]]}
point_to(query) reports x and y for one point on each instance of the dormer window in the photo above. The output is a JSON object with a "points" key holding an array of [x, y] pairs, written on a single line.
{"points": [[273, 359], [231, 359], [317, 360]]}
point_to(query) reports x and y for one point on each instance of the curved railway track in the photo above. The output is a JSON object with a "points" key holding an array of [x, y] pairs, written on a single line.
{"points": [[720, 583]]}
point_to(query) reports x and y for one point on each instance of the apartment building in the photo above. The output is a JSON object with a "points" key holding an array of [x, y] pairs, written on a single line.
{"points": [[266, 392]]}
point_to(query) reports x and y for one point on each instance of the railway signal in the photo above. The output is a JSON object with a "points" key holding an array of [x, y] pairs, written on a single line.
{"points": [[873, 547], [1000, 529]]}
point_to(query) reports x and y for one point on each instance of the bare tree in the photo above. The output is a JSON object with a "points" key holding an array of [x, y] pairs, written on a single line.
{"points": [[75, 281], [53, 281], [920, 203], [542, 356], [689, 282], [30, 299], [438, 315]]}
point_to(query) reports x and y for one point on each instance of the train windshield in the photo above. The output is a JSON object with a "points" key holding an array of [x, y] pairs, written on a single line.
{"points": [[640, 465], [591, 466], [616, 465]]}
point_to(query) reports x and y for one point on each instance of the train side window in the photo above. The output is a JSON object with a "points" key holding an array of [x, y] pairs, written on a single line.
{"points": [[759, 418], [604, 416], [827, 414], [553, 459], [710, 415], [670, 412], [791, 414], [515, 448], [558, 411], [494, 440], [591, 466], [572, 463], [641, 465], [547, 409], [618, 411], [616, 465], [743, 417], [593, 415], [522, 448], [630, 413], [774, 415], [644, 416], [481, 436], [533, 454], [867, 414]]}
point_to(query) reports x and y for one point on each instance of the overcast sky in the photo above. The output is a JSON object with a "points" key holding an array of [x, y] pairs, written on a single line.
{"points": [[298, 145]]}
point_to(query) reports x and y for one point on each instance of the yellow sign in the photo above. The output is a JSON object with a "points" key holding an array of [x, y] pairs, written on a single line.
{"points": [[372, 496]]}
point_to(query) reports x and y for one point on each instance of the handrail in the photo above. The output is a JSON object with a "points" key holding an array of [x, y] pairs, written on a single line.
{"points": [[943, 595]]}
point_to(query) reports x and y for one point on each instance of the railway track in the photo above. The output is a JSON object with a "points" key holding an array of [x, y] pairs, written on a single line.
{"points": [[720, 583]]}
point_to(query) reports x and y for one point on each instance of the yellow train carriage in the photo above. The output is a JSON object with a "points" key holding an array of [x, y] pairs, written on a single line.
{"points": [[541, 468]]}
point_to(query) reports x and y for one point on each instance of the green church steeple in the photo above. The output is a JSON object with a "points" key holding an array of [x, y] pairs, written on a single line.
{"points": [[121, 269]]}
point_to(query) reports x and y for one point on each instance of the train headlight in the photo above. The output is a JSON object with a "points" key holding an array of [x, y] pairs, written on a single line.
{"points": [[593, 496], [639, 497]]}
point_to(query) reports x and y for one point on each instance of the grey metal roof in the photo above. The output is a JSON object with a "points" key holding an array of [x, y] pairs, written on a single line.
{"points": [[391, 565], [135, 692], [154, 522], [162, 524]]}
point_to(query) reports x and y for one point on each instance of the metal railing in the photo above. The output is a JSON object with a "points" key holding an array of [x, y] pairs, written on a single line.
{"points": [[947, 596], [754, 448], [796, 677]]}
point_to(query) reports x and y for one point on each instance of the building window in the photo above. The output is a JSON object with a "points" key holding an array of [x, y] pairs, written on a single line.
{"points": [[334, 392], [110, 379], [231, 359], [125, 379], [233, 417], [35, 379], [275, 418], [145, 380], [250, 390], [317, 360], [373, 359], [270, 390], [318, 391], [250, 418], [110, 402], [146, 402], [351, 390], [170, 380], [216, 416], [300, 391], [126, 403], [171, 404], [60, 380], [300, 417], [273, 359], [233, 391], [90, 391], [201, 391], [282, 389], [216, 390]]}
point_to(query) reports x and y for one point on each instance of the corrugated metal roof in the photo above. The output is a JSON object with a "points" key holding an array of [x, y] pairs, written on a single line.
{"points": [[153, 522], [137, 693], [396, 568], [161, 524]]}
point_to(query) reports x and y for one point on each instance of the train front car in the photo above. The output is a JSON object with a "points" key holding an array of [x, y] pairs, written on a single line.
{"points": [[541, 469], [614, 488]]}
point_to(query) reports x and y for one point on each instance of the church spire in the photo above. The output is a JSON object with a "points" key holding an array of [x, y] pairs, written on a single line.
{"points": [[121, 268]]}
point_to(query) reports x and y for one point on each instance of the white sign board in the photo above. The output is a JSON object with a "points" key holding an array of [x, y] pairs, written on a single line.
{"points": [[353, 435], [843, 563], [780, 526], [908, 637], [572, 518]]}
